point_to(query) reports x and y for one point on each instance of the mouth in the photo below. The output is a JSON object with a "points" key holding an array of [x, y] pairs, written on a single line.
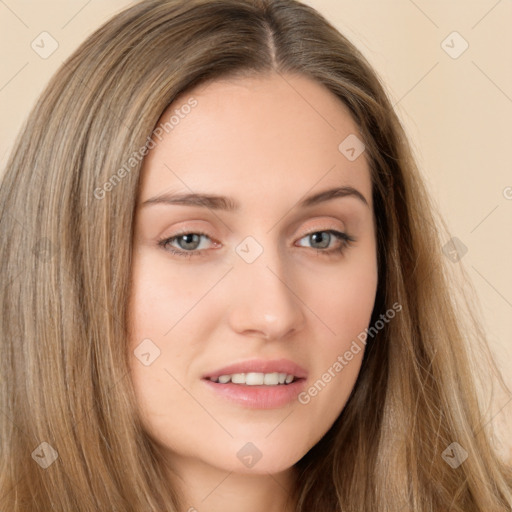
{"points": [[258, 384], [256, 379]]}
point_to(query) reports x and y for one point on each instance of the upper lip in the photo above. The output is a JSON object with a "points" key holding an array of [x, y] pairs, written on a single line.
{"points": [[260, 366]]}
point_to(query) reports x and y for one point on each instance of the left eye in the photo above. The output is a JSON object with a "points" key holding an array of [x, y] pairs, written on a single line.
{"points": [[324, 238]]}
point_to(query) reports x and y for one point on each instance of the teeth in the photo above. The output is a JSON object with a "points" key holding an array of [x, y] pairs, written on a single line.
{"points": [[271, 379], [237, 378], [255, 379]]}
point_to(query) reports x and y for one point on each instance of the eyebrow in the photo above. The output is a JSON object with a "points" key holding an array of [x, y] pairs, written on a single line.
{"points": [[216, 202]]}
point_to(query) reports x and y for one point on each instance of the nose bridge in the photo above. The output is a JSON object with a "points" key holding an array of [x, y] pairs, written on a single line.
{"points": [[264, 300]]}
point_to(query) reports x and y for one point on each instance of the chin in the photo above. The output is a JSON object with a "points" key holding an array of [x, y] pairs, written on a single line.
{"points": [[264, 456]]}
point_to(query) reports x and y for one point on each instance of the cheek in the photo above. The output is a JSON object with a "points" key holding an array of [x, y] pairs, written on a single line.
{"points": [[161, 317], [346, 303], [343, 300], [160, 297], [343, 296], [161, 400]]}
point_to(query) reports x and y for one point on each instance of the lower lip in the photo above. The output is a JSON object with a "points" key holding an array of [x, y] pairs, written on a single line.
{"points": [[258, 397]]}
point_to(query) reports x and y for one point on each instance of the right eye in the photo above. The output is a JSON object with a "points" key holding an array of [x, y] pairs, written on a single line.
{"points": [[188, 244]]}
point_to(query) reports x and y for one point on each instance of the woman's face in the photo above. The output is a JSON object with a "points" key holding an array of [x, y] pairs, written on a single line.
{"points": [[262, 283]]}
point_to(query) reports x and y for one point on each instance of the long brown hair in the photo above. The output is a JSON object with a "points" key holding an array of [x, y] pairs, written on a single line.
{"points": [[66, 227]]}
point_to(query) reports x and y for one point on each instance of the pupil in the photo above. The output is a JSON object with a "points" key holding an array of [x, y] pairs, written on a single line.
{"points": [[323, 235], [189, 239]]}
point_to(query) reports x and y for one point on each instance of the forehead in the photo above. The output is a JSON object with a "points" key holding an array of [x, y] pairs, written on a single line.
{"points": [[269, 134]]}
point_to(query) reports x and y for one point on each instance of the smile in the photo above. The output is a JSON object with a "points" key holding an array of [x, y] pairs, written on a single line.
{"points": [[256, 379]]}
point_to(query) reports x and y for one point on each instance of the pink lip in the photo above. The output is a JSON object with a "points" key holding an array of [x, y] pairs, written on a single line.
{"points": [[259, 397], [261, 366]]}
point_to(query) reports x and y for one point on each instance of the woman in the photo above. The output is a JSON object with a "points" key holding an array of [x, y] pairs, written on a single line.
{"points": [[173, 338]]}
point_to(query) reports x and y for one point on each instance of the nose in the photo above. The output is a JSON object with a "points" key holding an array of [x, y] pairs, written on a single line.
{"points": [[265, 302]]}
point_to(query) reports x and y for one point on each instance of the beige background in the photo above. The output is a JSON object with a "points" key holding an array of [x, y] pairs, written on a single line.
{"points": [[456, 108]]}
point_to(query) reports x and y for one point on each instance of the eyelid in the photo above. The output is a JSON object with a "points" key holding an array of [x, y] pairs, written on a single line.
{"points": [[326, 226]]}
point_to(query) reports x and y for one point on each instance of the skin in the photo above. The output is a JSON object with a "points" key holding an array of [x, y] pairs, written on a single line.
{"points": [[267, 142]]}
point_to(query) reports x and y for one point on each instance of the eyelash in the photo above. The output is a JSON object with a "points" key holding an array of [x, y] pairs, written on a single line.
{"points": [[346, 242]]}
